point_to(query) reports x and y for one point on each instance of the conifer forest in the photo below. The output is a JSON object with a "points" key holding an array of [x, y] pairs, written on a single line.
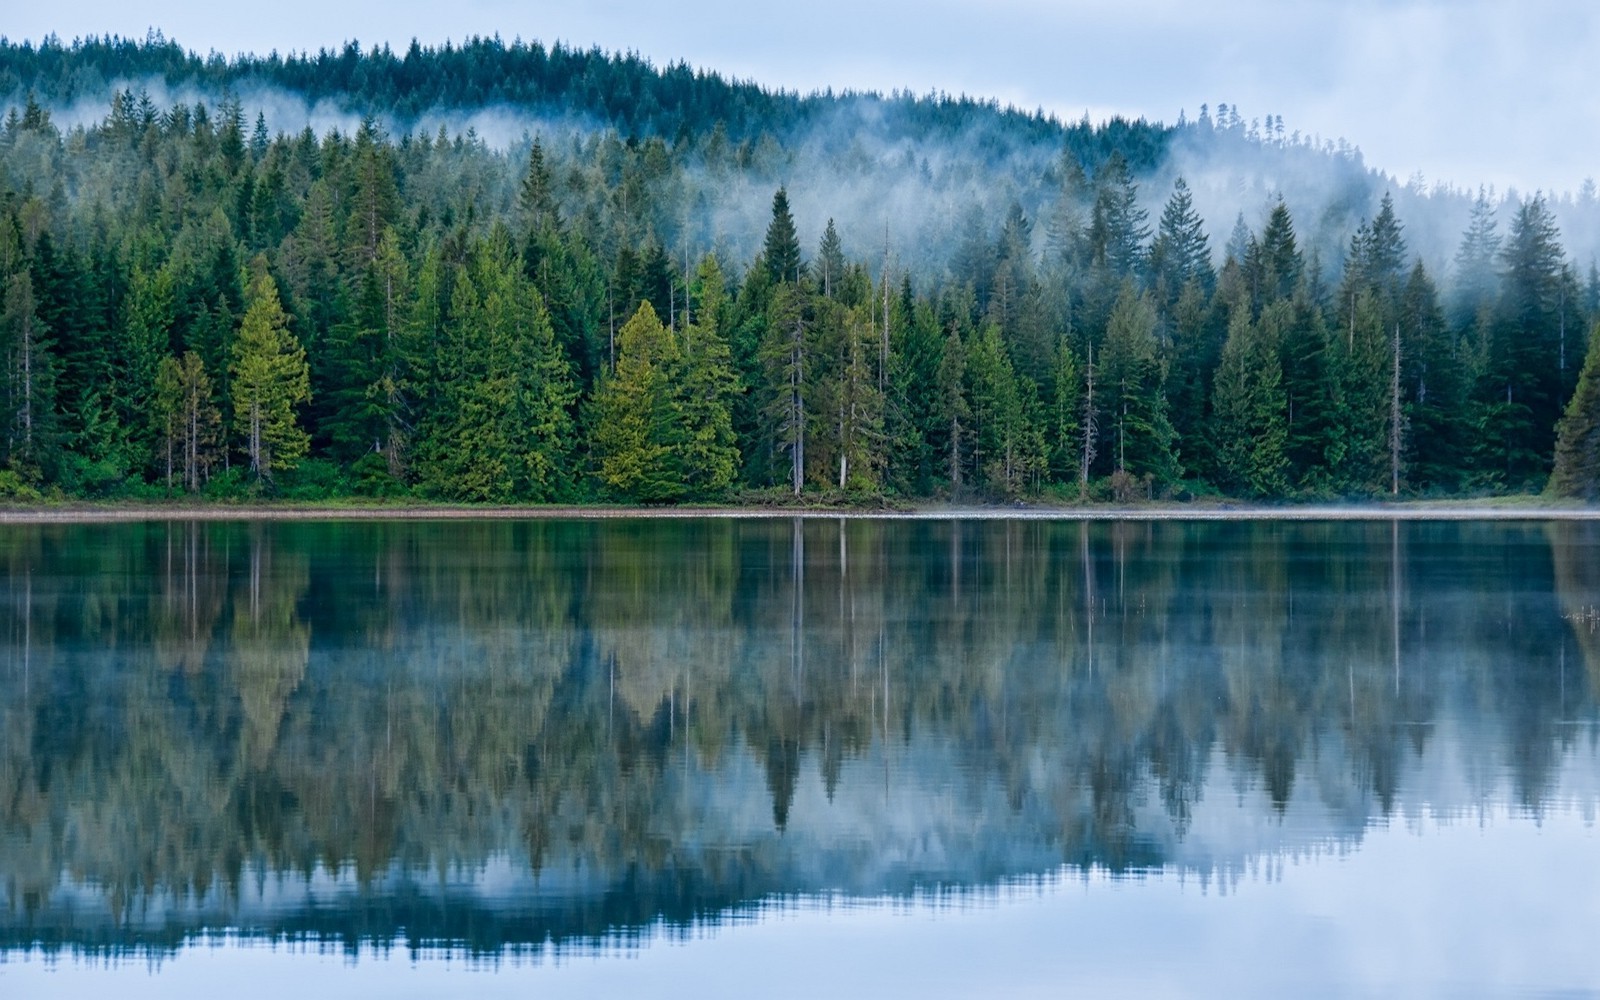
{"points": [[510, 273]]}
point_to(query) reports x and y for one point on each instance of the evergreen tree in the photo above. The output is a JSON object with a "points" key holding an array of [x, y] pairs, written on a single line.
{"points": [[1181, 253], [1520, 390], [956, 412], [782, 248], [1359, 373], [855, 408], [190, 423], [1066, 414], [1273, 265], [537, 197], [1136, 431], [148, 314], [270, 378], [1251, 411], [708, 386], [830, 263], [1435, 383], [29, 416], [1117, 229], [639, 433], [1477, 273], [788, 370], [1007, 451], [1577, 455]]}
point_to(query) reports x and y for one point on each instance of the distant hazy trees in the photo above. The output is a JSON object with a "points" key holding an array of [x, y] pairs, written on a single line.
{"points": [[425, 315]]}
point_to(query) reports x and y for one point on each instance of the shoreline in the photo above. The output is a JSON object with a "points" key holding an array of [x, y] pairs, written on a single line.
{"points": [[1418, 510]]}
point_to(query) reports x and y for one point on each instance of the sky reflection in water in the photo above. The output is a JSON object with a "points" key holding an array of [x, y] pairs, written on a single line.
{"points": [[928, 758]]}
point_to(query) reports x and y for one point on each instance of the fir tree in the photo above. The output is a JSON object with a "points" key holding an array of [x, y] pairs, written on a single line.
{"points": [[1136, 428], [1250, 422], [1181, 253], [707, 388], [639, 434], [1577, 455], [781, 250], [270, 379]]}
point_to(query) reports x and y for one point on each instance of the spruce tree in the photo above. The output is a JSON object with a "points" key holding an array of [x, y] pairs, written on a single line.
{"points": [[1136, 432], [781, 251], [1181, 252], [1577, 454], [1250, 423], [1066, 414], [638, 435], [270, 379], [707, 387], [28, 420]]}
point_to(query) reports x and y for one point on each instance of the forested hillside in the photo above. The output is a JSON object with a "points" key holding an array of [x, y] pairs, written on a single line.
{"points": [[510, 273]]}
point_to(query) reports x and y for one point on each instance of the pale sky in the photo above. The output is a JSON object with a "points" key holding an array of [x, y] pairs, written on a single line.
{"points": [[1466, 91]]}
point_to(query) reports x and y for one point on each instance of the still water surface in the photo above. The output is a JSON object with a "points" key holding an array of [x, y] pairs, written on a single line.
{"points": [[788, 757]]}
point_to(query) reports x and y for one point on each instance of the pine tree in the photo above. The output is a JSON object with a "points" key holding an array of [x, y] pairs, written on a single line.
{"points": [[501, 429], [1359, 373], [1250, 423], [270, 379], [29, 415], [537, 198], [1435, 382], [781, 250], [856, 403], [1520, 391], [146, 339], [956, 412], [1577, 454], [1117, 225], [1477, 265], [638, 432], [1066, 413], [707, 388], [1141, 439], [1181, 253], [190, 423], [1273, 265], [830, 264], [1005, 451], [788, 370]]}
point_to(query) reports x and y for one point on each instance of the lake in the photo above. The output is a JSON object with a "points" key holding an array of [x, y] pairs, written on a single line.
{"points": [[791, 757]]}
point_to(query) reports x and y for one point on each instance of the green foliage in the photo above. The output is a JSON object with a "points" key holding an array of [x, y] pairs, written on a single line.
{"points": [[192, 297], [707, 386], [1136, 433], [639, 431], [14, 489], [1251, 416], [270, 378], [500, 428], [1577, 457], [782, 249]]}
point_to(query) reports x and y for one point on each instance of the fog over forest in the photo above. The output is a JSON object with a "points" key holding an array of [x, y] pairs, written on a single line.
{"points": [[897, 294]]}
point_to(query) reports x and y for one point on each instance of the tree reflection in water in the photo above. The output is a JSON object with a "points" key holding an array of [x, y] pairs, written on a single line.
{"points": [[497, 734]]}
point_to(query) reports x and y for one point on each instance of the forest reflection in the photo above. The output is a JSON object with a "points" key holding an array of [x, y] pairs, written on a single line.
{"points": [[493, 735]]}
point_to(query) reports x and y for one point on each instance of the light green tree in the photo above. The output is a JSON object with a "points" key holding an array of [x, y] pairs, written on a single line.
{"points": [[270, 379], [639, 433], [189, 420], [707, 388], [1577, 461]]}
